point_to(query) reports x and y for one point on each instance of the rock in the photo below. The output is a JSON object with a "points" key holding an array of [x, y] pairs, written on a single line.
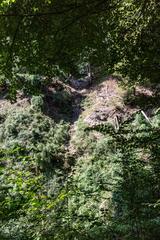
{"points": [[100, 115], [80, 83]]}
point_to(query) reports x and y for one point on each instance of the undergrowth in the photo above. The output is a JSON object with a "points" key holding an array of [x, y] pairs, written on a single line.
{"points": [[43, 139], [110, 191]]}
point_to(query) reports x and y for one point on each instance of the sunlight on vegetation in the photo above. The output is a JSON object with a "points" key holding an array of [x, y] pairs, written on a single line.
{"points": [[79, 120]]}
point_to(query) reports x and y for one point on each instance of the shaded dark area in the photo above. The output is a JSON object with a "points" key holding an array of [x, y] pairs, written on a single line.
{"points": [[61, 102], [143, 101], [137, 191]]}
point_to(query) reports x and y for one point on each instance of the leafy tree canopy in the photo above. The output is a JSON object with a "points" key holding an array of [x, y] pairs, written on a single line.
{"points": [[50, 37]]}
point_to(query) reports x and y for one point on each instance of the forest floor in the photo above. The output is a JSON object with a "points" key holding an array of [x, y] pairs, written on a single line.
{"points": [[106, 101], [110, 101]]}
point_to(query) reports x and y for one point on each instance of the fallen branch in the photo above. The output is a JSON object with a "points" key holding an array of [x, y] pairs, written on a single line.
{"points": [[143, 113]]}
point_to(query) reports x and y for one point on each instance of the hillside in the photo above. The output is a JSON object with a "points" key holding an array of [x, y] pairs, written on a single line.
{"points": [[79, 120], [84, 160]]}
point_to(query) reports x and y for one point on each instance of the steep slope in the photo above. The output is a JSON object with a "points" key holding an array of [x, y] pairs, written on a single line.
{"points": [[96, 177]]}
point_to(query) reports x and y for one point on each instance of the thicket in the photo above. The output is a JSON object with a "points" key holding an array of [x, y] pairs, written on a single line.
{"points": [[40, 136], [32, 175], [110, 192], [53, 38]]}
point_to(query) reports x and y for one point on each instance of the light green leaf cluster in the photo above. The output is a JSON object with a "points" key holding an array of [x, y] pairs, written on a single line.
{"points": [[43, 139], [7, 2]]}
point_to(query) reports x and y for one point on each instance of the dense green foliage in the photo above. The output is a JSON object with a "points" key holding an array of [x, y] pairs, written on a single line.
{"points": [[30, 199], [102, 183], [112, 190], [54, 38], [136, 195], [39, 135], [31, 171], [118, 182]]}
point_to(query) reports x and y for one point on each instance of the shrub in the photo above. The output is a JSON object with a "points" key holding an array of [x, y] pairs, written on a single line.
{"points": [[30, 200], [43, 139], [37, 103]]}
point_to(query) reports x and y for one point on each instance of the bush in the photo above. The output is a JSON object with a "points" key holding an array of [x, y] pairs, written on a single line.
{"points": [[30, 200], [43, 139], [37, 103]]}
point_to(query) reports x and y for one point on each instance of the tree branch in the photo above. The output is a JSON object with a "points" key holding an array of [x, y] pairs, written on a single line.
{"points": [[13, 41], [56, 12]]}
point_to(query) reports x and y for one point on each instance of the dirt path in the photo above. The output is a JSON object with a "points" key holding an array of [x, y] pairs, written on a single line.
{"points": [[76, 107]]}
